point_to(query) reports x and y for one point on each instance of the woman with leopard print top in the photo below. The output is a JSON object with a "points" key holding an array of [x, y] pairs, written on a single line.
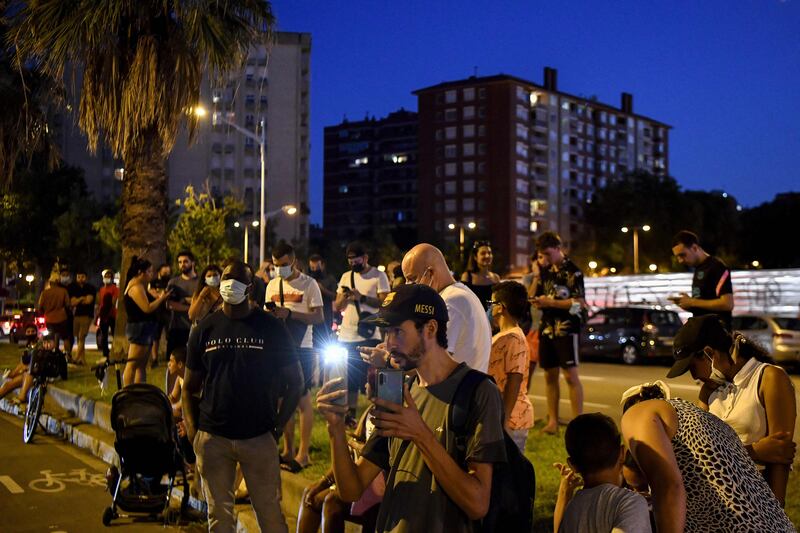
{"points": [[701, 478]]}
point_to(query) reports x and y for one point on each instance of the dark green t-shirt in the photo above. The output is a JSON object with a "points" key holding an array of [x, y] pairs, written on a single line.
{"points": [[415, 502]]}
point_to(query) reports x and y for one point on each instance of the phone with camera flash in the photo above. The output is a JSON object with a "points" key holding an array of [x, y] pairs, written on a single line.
{"points": [[389, 385], [335, 362]]}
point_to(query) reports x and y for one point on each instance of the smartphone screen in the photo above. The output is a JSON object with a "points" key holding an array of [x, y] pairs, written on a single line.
{"points": [[335, 361], [390, 385]]}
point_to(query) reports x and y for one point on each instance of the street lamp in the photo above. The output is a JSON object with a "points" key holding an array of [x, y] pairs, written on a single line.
{"points": [[288, 209], [255, 224], [635, 229], [261, 139], [29, 278], [653, 267], [592, 266], [470, 226]]}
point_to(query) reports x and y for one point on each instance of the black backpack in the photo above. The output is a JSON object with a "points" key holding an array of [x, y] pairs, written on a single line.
{"points": [[513, 482]]}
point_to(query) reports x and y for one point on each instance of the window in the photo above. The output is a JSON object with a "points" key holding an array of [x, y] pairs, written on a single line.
{"points": [[439, 171], [449, 206], [468, 149], [522, 242], [522, 94], [565, 138], [482, 93], [481, 149], [522, 186], [450, 114], [450, 96], [522, 168], [612, 119], [343, 189], [522, 223], [468, 167], [450, 169], [469, 130], [481, 112], [360, 161], [481, 168], [522, 131], [534, 226], [450, 187], [522, 205], [468, 186], [522, 149], [522, 112], [468, 205], [468, 94], [481, 186], [439, 134], [450, 132], [481, 131], [450, 151], [603, 117], [469, 112]]}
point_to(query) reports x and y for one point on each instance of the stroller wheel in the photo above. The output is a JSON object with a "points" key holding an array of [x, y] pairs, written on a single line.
{"points": [[108, 516]]}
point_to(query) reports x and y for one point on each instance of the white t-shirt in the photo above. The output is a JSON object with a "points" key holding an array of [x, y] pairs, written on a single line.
{"points": [[469, 336], [370, 284], [302, 294], [606, 508]]}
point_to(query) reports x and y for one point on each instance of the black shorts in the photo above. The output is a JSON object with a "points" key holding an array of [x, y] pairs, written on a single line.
{"points": [[308, 360], [558, 352]]}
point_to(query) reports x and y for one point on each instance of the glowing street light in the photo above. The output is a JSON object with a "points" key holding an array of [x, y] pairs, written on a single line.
{"points": [[653, 267], [756, 263], [635, 229], [471, 226], [592, 264]]}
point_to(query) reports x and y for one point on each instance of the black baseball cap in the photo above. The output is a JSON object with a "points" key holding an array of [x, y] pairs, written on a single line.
{"points": [[355, 249], [410, 302], [697, 333]]}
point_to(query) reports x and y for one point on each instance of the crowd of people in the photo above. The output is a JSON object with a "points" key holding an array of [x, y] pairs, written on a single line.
{"points": [[247, 348]]}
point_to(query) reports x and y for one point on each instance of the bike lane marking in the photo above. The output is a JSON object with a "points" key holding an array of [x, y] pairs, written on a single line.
{"points": [[11, 485]]}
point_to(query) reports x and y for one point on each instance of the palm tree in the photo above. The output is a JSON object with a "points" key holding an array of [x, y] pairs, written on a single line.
{"points": [[140, 64]]}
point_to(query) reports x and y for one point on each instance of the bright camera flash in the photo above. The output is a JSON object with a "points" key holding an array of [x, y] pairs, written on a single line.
{"points": [[334, 355]]}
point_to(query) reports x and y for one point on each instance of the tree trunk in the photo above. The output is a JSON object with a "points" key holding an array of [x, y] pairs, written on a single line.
{"points": [[144, 219]]}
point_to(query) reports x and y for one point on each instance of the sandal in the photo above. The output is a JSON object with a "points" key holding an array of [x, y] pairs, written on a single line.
{"points": [[292, 466]]}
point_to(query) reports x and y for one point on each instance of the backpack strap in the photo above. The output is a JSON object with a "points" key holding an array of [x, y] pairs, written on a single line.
{"points": [[353, 287], [280, 291], [461, 406]]}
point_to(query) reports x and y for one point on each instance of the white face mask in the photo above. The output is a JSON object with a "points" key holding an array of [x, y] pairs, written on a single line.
{"points": [[107, 281], [212, 281], [65, 280], [716, 375], [284, 271], [233, 292]]}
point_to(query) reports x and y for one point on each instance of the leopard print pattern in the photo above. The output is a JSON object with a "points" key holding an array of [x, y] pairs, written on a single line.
{"points": [[724, 490]]}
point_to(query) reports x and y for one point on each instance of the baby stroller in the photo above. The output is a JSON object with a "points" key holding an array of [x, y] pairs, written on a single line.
{"points": [[141, 417]]}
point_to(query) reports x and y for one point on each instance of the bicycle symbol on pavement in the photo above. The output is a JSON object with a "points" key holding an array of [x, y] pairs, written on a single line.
{"points": [[57, 482]]}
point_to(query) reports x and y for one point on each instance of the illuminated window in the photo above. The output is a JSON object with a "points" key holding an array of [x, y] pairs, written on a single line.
{"points": [[469, 167], [468, 94], [450, 150], [450, 169], [469, 112], [450, 132], [450, 187], [450, 96]]}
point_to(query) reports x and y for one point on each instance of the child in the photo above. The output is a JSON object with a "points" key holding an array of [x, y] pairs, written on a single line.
{"points": [[176, 367], [509, 360], [595, 452]]}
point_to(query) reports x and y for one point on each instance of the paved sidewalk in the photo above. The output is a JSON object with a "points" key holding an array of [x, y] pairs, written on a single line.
{"points": [[86, 423]]}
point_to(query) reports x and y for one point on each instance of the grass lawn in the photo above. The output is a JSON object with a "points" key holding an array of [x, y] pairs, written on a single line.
{"points": [[542, 450]]}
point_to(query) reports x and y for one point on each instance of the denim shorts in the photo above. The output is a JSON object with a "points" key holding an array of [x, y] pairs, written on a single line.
{"points": [[142, 333]]}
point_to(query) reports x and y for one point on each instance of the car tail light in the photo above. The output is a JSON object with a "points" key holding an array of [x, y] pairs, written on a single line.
{"points": [[17, 317], [40, 320]]}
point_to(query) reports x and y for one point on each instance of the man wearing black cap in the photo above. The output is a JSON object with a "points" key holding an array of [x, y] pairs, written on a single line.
{"points": [[712, 291], [427, 489], [361, 291]]}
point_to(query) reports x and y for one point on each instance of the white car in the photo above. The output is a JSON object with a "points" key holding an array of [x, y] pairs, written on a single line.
{"points": [[780, 336]]}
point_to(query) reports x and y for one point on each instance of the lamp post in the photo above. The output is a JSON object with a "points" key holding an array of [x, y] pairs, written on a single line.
{"points": [[289, 209], [255, 224], [470, 226], [261, 139], [29, 278], [635, 229]]}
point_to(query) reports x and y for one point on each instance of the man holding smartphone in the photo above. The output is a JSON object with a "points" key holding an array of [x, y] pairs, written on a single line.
{"points": [[361, 291], [427, 488]]}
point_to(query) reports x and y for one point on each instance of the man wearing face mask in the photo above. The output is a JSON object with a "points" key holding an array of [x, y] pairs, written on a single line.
{"points": [[469, 337], [327, 287], [295, 298], [106, 310], [361, 291], [244, 363]]}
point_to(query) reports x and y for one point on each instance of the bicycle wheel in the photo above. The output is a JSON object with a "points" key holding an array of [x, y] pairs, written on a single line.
{"points": [[35, 402]]}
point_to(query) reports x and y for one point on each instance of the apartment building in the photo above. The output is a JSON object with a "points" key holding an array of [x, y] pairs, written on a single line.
{"points": [[518, 158], [274, 85], [370, 175]]}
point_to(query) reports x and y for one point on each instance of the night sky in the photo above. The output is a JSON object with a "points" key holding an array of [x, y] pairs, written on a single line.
{"points": [[724, 74]]}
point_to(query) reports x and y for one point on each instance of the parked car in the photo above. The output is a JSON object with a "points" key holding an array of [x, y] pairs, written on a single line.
{"points": [[629, 334], [24, 323], [780, 336]]}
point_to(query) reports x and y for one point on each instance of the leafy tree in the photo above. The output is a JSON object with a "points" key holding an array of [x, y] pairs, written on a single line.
{"points": [[768, 234], [141, 64], [202, 227]]}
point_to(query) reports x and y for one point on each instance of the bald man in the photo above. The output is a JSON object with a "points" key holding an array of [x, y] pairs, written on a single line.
{"points": [[469, 336]]}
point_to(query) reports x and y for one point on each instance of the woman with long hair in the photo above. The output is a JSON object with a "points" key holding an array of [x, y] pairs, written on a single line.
{"points": [[206, 298], [742, 387], [140, 329], [479, 276]]}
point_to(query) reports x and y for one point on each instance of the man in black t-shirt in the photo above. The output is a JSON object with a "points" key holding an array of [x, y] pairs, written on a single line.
{"points": [[712, 290], [244, 363], [559, 293], [81, 298]]}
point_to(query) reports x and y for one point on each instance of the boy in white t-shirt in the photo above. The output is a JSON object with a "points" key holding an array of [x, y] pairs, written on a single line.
{"points": [[295, 298], [361, 290], [596, 452]]}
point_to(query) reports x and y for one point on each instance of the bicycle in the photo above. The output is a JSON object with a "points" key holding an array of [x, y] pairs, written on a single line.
{"points": [[36, 396], [45, 365]]}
